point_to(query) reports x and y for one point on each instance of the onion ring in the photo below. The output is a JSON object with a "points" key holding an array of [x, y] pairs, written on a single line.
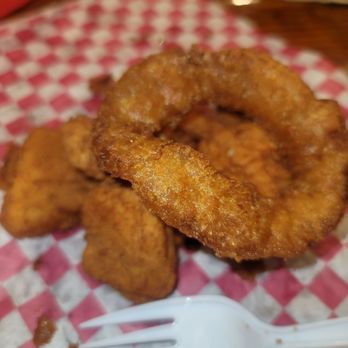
{"points": [[180, 186]]}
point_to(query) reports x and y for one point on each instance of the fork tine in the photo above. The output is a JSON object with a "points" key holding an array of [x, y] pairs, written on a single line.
{"points": [[152, 334], [158, 310]]}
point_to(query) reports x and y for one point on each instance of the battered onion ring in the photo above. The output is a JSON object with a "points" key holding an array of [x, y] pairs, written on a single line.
{"points": [[179, 185]]}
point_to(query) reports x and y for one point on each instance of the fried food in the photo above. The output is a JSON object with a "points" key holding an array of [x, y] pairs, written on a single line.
{"points": [[235, 147], [181, 186], [138, 251], [77, 142], [7, 171], [127, 246], [44, 331], [46, 192]]}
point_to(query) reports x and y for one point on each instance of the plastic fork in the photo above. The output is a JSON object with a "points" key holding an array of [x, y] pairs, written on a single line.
{"points": [[215, 322]]}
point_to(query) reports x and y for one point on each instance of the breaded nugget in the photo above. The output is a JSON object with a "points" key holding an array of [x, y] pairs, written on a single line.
{"points": [[127, 247], [77, 143], [236, 147], [46, 193], [8, 169]]}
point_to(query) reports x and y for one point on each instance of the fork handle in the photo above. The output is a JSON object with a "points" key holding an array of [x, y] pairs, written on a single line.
{"points": [[330, 333]]}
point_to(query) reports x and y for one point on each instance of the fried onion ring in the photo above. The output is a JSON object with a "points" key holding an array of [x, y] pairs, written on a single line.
{"points": [[181, 186]]}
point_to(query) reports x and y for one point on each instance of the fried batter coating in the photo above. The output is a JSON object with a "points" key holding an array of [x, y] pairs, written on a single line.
{"points": [[180, 185], [235, 147], [8, 169], [46, 192], [127, 247], [77, 142]]}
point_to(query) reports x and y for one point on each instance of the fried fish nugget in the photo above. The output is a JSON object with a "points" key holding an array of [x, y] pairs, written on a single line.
{"points": [[127, 247], [77, 143], [47, 192], [8, 169]]}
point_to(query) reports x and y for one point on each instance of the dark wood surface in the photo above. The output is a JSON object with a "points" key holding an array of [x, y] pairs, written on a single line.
{"points": [[305, 25]]}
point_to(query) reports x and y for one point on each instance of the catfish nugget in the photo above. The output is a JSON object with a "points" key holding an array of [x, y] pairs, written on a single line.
{"points": [[45, 193], [127, 246]]}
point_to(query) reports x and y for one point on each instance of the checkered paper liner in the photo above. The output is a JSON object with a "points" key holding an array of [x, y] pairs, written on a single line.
{"points": [[45, 63]]}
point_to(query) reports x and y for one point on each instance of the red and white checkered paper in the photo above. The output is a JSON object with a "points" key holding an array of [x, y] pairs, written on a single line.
{"points": [[45, 62]]}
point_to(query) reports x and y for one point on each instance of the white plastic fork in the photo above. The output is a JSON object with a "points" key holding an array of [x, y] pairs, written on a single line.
{"points": [[215, 322]]}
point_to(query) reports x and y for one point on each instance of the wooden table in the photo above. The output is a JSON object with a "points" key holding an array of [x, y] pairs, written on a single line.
{"points": [[306, 25]]}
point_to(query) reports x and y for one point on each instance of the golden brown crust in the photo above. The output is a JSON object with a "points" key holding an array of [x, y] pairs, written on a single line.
{"points": [[77, 142], [180, 185], [127, 247], [8, 169], [46, 193]]}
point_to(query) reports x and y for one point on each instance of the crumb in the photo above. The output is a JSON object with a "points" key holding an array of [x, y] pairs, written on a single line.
{"points": [[44, 331], [37, 264], [99, 84], [73, 345], [279, 341]]}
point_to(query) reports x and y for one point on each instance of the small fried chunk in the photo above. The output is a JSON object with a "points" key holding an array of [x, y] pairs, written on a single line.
{"points": [[127, 247], [46, 192], [44, 331]]}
